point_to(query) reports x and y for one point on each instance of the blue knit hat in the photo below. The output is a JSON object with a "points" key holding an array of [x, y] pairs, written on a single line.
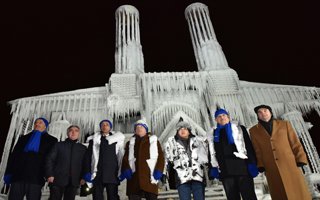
{"points": [[219, 112], [44, 120], [141, 123], [106, 120]]}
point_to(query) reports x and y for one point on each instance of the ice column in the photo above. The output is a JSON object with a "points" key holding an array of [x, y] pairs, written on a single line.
{"points": [[207, 50], [128, 52]]}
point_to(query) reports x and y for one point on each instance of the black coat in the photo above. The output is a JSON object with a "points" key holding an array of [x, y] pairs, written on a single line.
{"points": [[65, 163], [108, 162], [229, 164], [29, 166]]}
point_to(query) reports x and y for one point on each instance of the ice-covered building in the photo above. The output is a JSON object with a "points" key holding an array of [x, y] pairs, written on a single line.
{"points": [[162, 98]]}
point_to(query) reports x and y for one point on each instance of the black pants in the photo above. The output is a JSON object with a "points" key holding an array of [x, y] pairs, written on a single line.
{"points": [[111, 189], [20, 189], [68, 192], [143, 194], [239, 185]]}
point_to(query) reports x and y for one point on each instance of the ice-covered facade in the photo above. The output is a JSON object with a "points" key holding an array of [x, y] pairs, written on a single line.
{"points": [[162, 98]]}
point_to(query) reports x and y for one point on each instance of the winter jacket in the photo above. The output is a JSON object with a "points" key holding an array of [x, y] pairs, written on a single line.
{"points": [[30, 166], [65, 163], [146, 157], [223, 154], [188, 166], [112, 151], [279, 154]]}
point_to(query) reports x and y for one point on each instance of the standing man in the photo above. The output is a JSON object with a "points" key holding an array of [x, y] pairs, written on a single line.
{"points": [[188, 155], [232, 158], [279, 154], [64, 166], [103, 161], [25, 169], [143, 163]]}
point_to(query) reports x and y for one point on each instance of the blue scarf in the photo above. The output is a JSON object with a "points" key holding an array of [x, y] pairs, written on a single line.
{"points": [[34, 142], [228, 129]]}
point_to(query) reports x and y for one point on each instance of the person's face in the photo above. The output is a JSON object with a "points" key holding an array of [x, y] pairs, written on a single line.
{"points": [[39, 125], [140, 131], [73, 133], [184, 133], [105, 127], [264, 114], [222, 119]]}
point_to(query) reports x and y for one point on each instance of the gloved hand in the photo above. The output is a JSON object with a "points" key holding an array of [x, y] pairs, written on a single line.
{"points": [[157, 174], [87, 177], [253, 170], [127, 174], [7, 179], [214, 173]]}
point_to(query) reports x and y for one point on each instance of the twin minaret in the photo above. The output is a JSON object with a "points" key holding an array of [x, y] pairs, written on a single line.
{"points": [[128, 53]]}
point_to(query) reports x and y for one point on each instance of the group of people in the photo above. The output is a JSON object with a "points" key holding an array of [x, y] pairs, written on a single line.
{"points": [[231, 154]]}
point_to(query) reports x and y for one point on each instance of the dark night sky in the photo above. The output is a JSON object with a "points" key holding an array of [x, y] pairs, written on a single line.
{"points": [[48, 48]]}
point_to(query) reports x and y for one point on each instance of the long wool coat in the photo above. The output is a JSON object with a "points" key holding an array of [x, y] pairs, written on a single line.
{"points": [[279, 154], [141, 177]]}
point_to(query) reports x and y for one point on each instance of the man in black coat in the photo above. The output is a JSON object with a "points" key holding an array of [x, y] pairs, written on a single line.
{"points": [[232, 158], [25, 168], [103, 160], [64, 166]]}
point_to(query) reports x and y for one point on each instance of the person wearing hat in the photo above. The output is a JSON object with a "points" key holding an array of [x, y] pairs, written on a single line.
{"points": [[25, 169], [103, 161], [279, 154], [232, 158], [64, 166], [187, 154], [142, 164]]}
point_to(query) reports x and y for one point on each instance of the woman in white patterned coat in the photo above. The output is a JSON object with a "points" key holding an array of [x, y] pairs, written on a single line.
{"points": [[187, 154]]}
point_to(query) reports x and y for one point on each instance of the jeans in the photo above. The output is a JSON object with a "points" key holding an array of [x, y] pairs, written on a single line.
{"points": [[194, 187]]}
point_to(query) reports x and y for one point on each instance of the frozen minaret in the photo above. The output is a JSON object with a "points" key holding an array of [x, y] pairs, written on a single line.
{"points": [[123, 103], [207, 50], [128, 52], [222, 80]]}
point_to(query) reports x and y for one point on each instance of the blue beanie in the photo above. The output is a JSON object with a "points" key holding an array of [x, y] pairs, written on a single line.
{"points": [[106, 120], [219, 112], [44, 120]]}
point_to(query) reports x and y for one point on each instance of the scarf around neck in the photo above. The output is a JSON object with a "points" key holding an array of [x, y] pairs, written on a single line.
{"points": [[33, 143], [267, 125], [228, 129]]}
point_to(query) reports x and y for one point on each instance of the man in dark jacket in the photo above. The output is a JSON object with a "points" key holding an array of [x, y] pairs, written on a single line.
{"points": [[103, 160], [232, 158], [25, 168], [64, 166]]}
